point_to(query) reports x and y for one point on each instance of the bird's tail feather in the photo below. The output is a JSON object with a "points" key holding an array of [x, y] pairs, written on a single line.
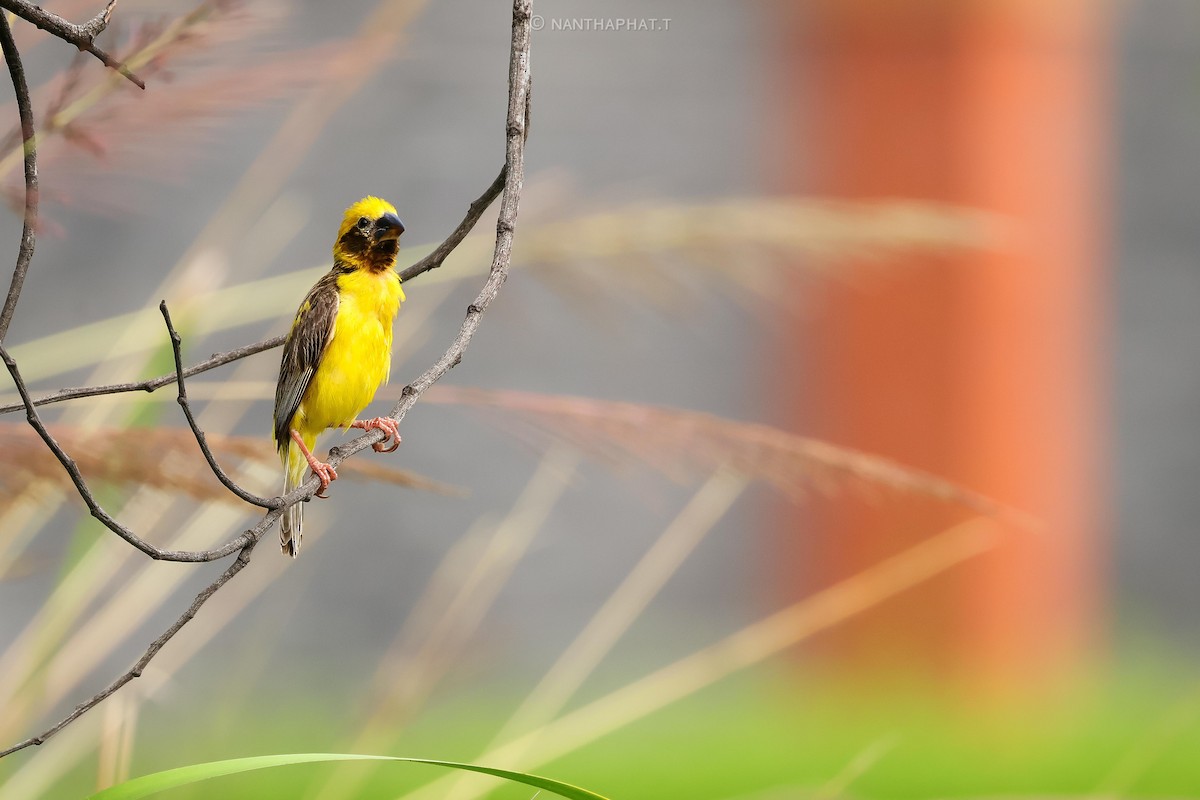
{"points": [[291, 522]]}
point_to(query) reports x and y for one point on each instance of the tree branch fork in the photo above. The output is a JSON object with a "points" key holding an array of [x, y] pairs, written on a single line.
{"points": [[82, 36], [507, 186]]}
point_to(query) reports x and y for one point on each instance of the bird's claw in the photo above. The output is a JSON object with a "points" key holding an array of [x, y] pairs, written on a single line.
{"points": [[378, 447], [326, 474], [386, 424]]}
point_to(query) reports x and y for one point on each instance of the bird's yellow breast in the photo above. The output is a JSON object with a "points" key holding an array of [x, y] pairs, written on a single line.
{"points": [[358, 358]]}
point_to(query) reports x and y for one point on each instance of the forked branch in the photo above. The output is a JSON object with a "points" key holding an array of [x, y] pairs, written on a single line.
{"points": [[82, 36], [224, 478]]}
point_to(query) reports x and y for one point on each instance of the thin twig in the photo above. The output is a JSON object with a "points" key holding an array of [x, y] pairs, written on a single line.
{"points": [[245, 542], [149, 385], [474, 212], [28, 235], [82, 36], [136, 670], [222, 476]]}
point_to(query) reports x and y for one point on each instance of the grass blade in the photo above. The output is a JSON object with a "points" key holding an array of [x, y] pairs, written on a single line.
{"points": [[148, 785]]}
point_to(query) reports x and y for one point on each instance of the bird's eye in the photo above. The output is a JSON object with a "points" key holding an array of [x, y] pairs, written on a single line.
{"points": [[363, 223]]}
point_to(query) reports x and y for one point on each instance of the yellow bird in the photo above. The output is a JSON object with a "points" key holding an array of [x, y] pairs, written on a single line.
{"points": [[339, 351]]}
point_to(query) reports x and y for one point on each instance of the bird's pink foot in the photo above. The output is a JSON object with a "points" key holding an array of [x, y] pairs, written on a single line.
{"points": [[325, 472], [385, 424]]}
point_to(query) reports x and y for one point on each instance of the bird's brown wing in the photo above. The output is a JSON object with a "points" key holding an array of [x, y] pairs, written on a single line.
{"points": [[311, 333]]}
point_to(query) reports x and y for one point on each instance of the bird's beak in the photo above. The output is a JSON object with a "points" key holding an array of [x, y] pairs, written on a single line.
{"points": [[388, 227]]}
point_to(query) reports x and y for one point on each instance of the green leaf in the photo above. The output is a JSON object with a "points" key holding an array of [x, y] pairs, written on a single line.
{"points": [[147, 785]]}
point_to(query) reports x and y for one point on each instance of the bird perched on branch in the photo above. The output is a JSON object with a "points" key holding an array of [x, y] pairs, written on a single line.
{"points": [[339, 351]]}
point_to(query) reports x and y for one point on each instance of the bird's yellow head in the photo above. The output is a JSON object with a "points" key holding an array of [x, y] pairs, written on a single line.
{"points": [[369, 236]]}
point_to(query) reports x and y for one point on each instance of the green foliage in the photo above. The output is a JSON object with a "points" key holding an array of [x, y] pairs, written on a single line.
{"points": [[769, 731]]}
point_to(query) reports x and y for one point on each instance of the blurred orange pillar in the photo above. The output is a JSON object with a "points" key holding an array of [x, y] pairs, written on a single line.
{"points": [[982, 366]]}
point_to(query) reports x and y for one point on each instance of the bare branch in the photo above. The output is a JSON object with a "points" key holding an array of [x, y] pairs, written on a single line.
{"points": [[224, 478], [82, 36], [136, 670], [28, 235], [474, 212], [88, 498], [245, 542]]}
